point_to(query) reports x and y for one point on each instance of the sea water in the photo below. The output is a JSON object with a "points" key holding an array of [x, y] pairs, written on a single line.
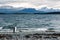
{"points": [[30, 21]]}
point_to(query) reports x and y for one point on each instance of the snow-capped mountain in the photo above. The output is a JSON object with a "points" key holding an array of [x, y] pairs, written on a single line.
{"points": [[28, 10], [46, 9], [11, 9]]}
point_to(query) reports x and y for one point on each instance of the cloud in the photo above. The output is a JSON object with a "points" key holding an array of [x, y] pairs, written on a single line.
{"points": [[53, 0], [49, 3], [36, 2]]}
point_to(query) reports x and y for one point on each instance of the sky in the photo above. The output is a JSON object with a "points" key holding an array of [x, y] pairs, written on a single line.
{"points": [[49, 3]]}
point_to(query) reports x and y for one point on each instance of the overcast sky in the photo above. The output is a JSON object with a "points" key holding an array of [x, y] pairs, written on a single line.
{"points": [[50, 3]]}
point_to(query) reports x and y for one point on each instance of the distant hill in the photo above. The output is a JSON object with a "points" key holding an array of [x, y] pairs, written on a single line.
{"points": [[34, 13], [53, 13]]}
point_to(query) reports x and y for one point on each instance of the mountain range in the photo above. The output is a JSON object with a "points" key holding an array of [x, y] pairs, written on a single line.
{"points": [[10, 9]]}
